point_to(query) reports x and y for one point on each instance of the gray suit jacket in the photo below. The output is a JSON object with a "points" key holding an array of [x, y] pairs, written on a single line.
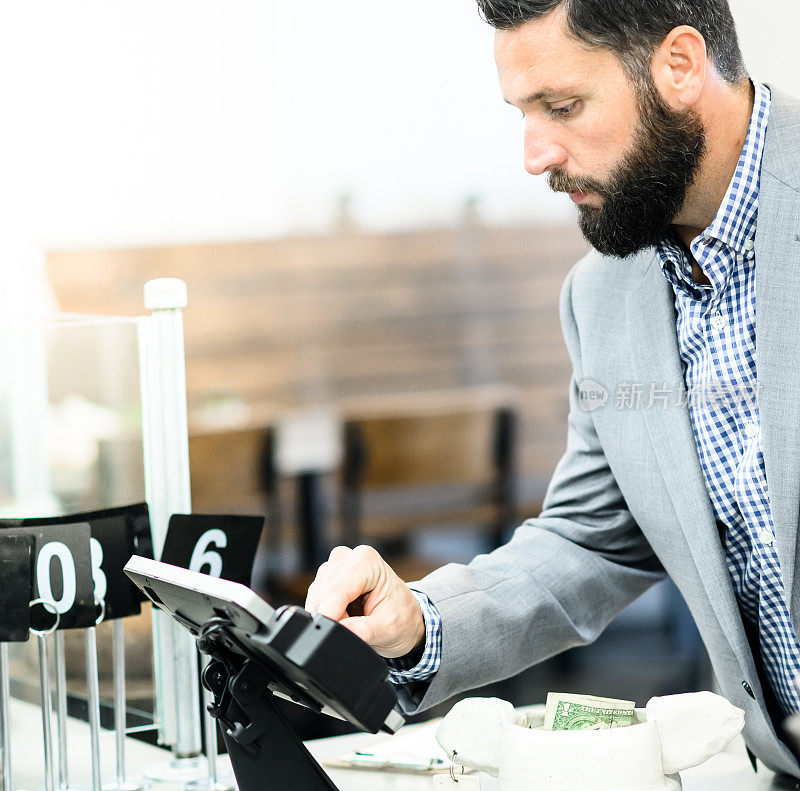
{"points": [[628, 500]]}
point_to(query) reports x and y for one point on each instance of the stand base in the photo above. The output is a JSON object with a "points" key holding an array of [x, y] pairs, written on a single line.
{"points": [[128, 785], [224, 779], [178, 770], [280, 754], [207, 785]]}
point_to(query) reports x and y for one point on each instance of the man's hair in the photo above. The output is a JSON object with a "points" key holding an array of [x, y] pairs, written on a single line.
{"points": [[633, 29]]}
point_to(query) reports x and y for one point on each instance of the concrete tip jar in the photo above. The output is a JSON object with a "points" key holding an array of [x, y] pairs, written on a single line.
{"points": [[669, 735]]}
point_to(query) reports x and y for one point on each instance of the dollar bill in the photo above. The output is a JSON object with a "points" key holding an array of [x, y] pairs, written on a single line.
{"points": [[584, 712]]}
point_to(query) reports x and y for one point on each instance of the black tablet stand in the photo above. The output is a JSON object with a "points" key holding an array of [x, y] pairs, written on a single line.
{"points": [[264, 749], [261, 744]]}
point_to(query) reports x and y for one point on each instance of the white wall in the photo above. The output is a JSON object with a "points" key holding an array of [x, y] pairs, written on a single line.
{"points": [[150, 121], [768, 34], [166, 120]]}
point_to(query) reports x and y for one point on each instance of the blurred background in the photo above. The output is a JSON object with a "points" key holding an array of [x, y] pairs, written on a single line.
{"points": [[372, 339]]}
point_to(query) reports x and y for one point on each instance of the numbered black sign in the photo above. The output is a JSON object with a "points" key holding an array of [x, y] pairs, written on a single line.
{"points": [[116, 534], [62, 574], [112, 547], [139, 517], [16, 561], [220, 546]]}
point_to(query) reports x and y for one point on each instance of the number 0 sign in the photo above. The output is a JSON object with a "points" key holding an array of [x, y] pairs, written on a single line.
{"points": [[62, 574], [116, 534]]}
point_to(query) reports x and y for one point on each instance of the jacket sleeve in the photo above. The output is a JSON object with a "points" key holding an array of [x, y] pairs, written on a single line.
{"points": [[557, 583]]}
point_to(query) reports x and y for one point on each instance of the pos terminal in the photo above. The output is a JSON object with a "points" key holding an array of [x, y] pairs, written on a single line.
{"points": [[258, 653]]}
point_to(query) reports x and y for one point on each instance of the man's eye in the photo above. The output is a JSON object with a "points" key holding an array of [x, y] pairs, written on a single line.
{"points": [[563, 112]]}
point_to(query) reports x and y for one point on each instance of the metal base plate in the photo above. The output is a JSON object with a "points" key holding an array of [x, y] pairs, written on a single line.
{"points": [[206, 785], [178, 770], [128, 785]]}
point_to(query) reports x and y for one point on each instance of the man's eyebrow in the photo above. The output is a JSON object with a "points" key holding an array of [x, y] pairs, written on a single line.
{"points": [[550, 94]]}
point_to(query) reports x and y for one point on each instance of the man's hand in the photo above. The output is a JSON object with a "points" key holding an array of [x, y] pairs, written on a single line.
{"points": [[391, 622]]}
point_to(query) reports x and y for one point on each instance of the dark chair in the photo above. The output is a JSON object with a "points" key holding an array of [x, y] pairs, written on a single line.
{"points": [[447, 466]]}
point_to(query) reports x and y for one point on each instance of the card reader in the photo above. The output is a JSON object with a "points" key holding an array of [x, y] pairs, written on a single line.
{"points": [[258, 653]]}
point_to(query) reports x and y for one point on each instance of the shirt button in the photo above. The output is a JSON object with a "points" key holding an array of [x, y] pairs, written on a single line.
{"points": [[749, 244], [765, 537], [718, 322], [751, 430]]}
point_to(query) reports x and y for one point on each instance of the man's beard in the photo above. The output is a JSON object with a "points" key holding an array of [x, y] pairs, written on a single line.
{"points": [[648, 188]]}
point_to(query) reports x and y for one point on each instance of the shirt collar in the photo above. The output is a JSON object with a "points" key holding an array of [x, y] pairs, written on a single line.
{"points": [[734, 226]]}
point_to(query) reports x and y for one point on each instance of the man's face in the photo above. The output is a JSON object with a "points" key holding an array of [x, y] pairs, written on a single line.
{"points": [[625, 160]]}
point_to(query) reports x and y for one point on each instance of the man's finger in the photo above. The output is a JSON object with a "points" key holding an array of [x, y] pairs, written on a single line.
{"points": [[338, 555], [327, 570], [311, 599], [357, 576], [360, 626], [332, 605]]}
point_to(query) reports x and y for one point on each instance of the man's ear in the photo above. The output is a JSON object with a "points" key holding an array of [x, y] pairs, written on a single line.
{"points": [[679, 67]]}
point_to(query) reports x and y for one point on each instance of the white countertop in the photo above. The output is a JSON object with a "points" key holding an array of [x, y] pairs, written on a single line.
{"points": [[728, 771]]}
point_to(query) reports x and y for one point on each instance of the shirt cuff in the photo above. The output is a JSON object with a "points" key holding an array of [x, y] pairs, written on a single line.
{"points": [[403, 670]]}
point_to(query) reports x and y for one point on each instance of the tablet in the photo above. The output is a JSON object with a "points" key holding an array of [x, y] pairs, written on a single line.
{"points": [[307, 658]]}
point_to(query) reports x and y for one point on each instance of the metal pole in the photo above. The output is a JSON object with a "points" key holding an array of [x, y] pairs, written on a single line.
{"points": [[166, 445], [44, 683], [209, 783], [211, 736], [120, 720], [5, 720], [120, 705], [61, 712], [188, 740], [93, 703]]}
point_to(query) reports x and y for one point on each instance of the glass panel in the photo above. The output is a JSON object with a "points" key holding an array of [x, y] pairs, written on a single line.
{"points": [[70, 441]]}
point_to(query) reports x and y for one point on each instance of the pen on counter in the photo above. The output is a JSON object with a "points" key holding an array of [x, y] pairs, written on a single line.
{"points": [[401, 762]]}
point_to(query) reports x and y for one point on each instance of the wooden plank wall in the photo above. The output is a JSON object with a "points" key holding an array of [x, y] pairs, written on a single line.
{"points": [[312, 319]]}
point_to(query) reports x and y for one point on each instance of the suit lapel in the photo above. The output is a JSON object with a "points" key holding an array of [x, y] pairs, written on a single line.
{"points": [[778, 361], [652, 335]]}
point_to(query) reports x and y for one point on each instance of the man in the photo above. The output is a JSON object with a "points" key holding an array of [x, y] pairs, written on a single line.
{"points": [[686, 178]]}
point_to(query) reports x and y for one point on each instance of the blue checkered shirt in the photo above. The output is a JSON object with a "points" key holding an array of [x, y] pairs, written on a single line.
{"points": [[403, 670], [717, 340]]}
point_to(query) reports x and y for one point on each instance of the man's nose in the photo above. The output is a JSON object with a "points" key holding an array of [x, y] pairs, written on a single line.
{"points": [[543, 151]]}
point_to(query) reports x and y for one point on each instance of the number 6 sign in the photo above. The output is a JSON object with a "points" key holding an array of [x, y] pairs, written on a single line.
{"points": [[203, 556], [220, 546]]}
